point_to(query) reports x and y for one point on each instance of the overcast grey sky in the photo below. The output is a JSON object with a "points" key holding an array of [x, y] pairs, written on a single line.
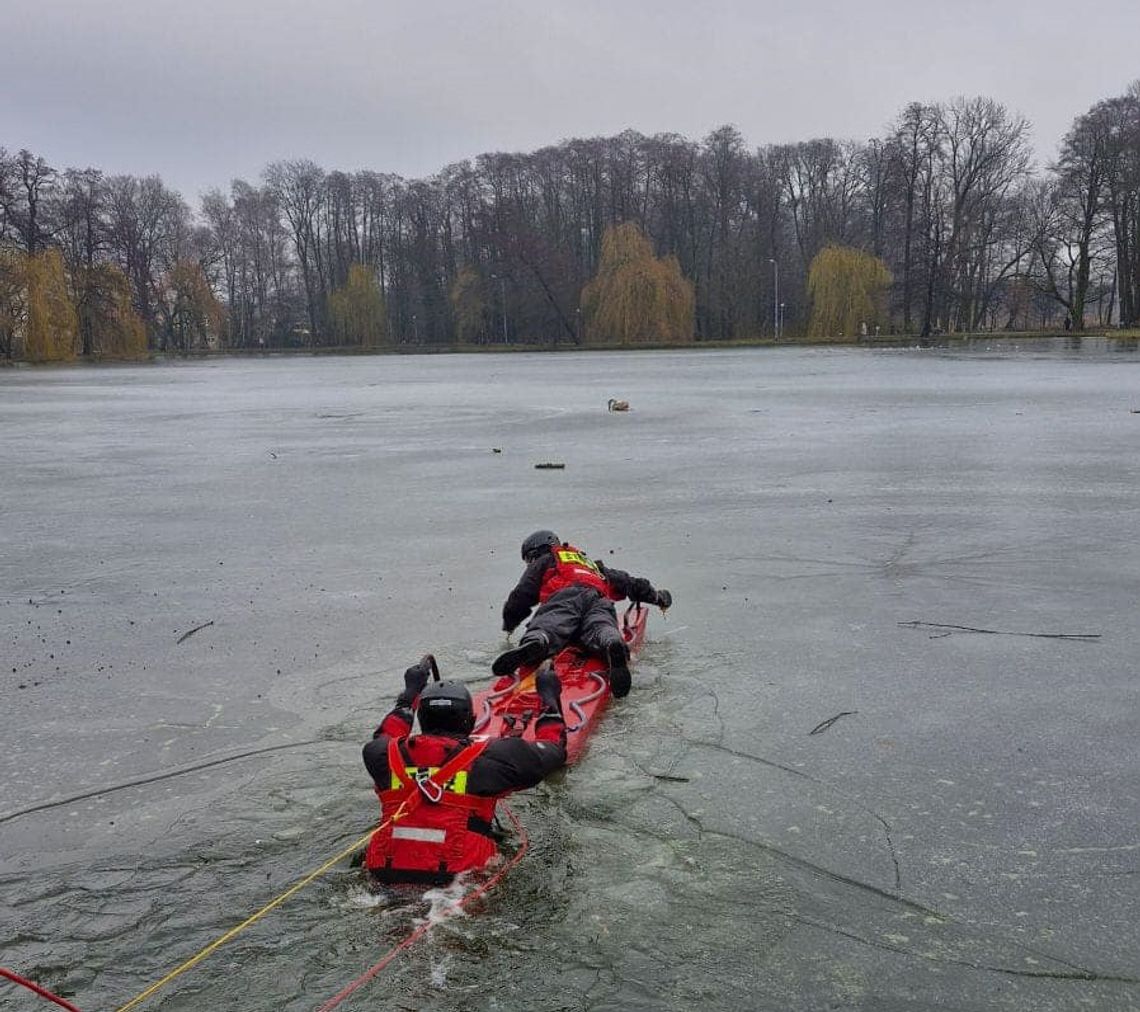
{"points": [[205, 90]]}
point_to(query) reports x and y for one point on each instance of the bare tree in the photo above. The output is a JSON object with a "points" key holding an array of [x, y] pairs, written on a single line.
{"points": [[27, 184], [298, 188], [147, 226]]}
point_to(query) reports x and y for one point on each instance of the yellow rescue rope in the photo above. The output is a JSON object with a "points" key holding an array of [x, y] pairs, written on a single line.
{"points": [[276, 902]]}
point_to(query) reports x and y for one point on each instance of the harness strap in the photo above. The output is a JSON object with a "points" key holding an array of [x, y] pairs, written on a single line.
{"points": [[432, 788], [472, 802]]}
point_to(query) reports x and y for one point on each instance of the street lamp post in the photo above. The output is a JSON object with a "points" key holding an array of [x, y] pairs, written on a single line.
{"points": [[776, 298], [780, 329], [416, 328]]}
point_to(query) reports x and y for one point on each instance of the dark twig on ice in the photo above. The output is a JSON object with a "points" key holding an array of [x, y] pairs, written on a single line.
{"points": [[997, 632], [186, 635], [824, 725], [549, 466]]}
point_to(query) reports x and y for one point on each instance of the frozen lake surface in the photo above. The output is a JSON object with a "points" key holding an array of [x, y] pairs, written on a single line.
{"points": [[965, 837]]}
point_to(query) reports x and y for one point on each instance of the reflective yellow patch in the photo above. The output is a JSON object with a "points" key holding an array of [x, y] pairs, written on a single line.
{"points": [[457, 784], [576, 559]]}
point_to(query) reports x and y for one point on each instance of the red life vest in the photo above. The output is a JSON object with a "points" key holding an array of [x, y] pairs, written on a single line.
{"points": [[441, 829], [572, 568]]}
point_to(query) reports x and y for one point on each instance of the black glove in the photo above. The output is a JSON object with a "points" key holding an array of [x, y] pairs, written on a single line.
{"points": [[664, 600], [549, 689], [415, 678]]}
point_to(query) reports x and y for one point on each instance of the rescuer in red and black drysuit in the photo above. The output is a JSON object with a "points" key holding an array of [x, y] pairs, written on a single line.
{"points": [[443, 784], [575, 604]]}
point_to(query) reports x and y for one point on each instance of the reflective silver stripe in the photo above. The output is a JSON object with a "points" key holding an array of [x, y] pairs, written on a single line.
{"points": [[415, 833]]}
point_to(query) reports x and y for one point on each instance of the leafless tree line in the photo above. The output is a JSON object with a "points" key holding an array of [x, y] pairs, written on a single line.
{"points": [[498, 249]]}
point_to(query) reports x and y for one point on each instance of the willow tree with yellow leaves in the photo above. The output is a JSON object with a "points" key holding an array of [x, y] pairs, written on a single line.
{"points": [[636, 297], [848, 290], [13, 302], [193, 314], [107, 315], [356, 310], [51, 324]]}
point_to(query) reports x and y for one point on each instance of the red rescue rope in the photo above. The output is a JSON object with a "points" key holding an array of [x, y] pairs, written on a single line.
{"points": [[423, 929], [42, 992], [377, 967]]}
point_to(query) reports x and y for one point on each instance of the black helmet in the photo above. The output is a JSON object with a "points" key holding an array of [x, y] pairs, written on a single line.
{"points": [[533, 547], [445, 708]]}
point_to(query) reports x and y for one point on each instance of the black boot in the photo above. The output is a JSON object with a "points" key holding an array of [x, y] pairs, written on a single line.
{"points": [[531, 650], [549, 689], [617, 656]]}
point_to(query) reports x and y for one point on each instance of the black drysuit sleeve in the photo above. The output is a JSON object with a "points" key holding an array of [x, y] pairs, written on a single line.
{"points": [[636, 588], [525, 595], [513, 764], [506, 764]]}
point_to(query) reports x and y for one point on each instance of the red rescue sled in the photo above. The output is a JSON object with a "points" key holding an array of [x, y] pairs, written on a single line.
{"points": [[511, 704]]}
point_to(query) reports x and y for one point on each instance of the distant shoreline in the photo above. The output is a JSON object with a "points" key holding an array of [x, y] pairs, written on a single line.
{"points": [[882, 341]]}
